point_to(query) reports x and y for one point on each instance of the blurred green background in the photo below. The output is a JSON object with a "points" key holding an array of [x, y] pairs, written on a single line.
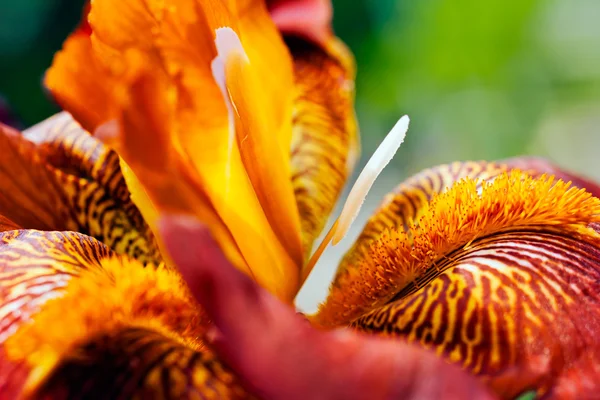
{"points": [[480, 79]]}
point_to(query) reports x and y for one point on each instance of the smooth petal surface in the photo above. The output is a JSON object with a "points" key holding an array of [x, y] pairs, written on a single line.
{"points": [[497, 272], [277, 353], [80, 321], [159, 57], [55, 176], [325, 143]]}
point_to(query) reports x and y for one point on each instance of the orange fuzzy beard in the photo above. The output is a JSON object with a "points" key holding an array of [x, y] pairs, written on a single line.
{"points": [[374, 273]]}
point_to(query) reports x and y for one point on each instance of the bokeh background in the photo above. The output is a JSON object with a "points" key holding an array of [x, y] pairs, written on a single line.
{"points": [[480, 79]]}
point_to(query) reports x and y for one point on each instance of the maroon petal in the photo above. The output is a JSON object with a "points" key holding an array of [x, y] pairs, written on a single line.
{"points": [[309, 19], [278, 354]]}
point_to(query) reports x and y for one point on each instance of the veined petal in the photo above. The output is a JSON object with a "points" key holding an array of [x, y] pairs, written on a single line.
{"points": [[7, 225], [164, 367], [518, 309], [34, 267], [103, 324], [498, 272], [325, 143], [420, 223], [55, 176]]}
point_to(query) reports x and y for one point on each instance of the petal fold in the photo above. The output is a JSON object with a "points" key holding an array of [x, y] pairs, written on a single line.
{"points": [[55, 176], [495, 269], [518, 309], [436, 212], [167, 119], [325, 143], [80, 320]]}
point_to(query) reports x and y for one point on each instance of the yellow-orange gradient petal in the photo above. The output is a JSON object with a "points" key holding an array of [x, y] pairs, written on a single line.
{"points": [[55, 176], [105, 324], [325, 143], [93, 83], [165, 52]]}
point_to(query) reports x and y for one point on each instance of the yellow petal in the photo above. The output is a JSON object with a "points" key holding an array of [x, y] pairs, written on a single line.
{"points": [[55, 176], [159, 57], [266, 164], [325, 141]]}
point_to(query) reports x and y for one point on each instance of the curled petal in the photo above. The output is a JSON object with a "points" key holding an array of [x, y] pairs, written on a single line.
{"points": [[309, 19], [325, 136], [519, 309], [81, 321], [374, 270], [280, 356], [495, 270], [55, 176], [35, 266]]}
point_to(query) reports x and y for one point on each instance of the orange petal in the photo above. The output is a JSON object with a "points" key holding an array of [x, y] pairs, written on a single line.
{"points": [[55, 176], [34, 267], [325, 136], [152, 163], [93, 83], [74, 314], [158, 56], [518, 309], [416, 226], [499, 277]]}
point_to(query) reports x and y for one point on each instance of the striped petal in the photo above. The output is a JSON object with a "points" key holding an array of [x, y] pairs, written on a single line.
{"points": [[55, 176], [519, 309], [35, 266], [494, 268], [80, 321], [325, 136]]}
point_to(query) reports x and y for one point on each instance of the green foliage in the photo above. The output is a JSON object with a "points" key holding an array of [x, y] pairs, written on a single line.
{"points": [[480, 79]]}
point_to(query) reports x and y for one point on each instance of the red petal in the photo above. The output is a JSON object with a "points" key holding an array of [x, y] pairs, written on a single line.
{"points": [[310, 19], [282, 357]]}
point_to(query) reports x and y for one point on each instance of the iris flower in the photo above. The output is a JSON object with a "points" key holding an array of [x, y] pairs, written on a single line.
{"points": [[154, 235]]}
